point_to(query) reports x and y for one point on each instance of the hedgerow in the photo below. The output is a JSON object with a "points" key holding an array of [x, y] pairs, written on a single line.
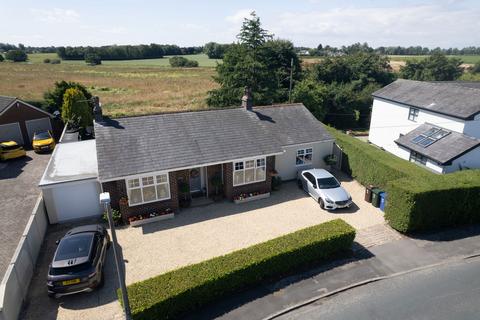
{"points": [[417, 198], [183, 290]]}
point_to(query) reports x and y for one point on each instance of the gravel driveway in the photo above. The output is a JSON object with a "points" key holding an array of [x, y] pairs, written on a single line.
{"points": [[200, 233]]}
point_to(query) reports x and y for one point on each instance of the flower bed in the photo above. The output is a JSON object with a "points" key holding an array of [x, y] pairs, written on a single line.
{"points": [[141, 219], [247, 197]]}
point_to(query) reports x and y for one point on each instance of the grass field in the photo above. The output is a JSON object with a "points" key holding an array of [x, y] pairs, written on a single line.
{"points": [[202, 59], [124, 87]]}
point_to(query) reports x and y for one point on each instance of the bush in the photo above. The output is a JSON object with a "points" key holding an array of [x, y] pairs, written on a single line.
{"points": [[181, 62], [16, 55], [46, 60], [116, 217], [183, 290], [93, 59], [55, 61], [475, 68], [417, 199], [1, 57]]}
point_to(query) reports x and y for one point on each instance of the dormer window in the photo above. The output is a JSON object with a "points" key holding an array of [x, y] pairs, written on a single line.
{"points": [[413, 114]]}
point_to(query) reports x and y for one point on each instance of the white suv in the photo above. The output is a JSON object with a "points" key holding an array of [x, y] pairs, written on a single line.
{"points": [[324, 188]]}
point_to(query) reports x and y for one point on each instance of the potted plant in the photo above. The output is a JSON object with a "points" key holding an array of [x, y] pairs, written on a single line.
{"points": [[184, 189], [216, 181], [330, 160], [276, 182], [116, 217]]}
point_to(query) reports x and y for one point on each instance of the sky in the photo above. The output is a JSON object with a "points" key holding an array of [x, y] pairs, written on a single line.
{"points": [[443, 23]]}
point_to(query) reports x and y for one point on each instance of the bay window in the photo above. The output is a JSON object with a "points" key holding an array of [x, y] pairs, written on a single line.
{"points": [[145, 189], [249, 171]]}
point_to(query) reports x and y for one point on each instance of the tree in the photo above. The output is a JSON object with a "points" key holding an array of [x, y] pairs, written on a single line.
{"points": [[1, 57], [474, 69], [215, 50], [54, 98], [258, 62], [93, 58], [16, 55], [436, 67], [182, 62], [75, 109]]}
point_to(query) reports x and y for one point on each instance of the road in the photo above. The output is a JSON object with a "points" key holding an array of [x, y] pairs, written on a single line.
{"points": [[445, 292]]}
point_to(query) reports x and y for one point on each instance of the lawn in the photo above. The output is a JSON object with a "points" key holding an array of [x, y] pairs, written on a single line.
{"points": [[124, 87]]}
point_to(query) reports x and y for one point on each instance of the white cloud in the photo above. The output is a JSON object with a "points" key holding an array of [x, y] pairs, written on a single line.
{"points": [[55, 15], [238, 16], [428, 25]]}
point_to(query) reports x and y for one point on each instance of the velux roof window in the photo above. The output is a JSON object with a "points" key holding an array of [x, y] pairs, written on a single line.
{"points": [[430, 136]]}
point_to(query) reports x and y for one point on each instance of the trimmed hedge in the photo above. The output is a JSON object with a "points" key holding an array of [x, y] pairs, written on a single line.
{"points": [[179, 291], [417, 198]]}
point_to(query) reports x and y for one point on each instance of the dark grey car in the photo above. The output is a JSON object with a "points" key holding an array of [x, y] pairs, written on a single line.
{"points": [[78, 262]]}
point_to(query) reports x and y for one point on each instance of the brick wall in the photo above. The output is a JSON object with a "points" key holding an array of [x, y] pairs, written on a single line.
{"points": [[118, 190], [231, 191]]}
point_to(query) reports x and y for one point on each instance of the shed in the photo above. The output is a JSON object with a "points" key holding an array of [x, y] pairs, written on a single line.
{"points": [[69, 184]]}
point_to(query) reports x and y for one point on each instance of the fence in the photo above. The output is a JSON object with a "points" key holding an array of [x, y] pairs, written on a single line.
{"points": [[15, 283]]}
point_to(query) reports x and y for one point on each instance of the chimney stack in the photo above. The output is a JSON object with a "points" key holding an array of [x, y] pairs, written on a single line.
{"points": [[247, 100], [97, 109]]}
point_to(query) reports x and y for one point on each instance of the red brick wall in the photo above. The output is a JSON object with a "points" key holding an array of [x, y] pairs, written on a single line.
{"points": [[118, 189], [231, 191]]}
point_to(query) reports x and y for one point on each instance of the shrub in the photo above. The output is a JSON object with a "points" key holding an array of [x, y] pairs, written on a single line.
{"points": [[55, 61], [1, 57], [183, 290], [75, 109], [182, 62], [417, 199], [475, 68], [116, 217], [93, 59], [46, 60], [16, 55]]}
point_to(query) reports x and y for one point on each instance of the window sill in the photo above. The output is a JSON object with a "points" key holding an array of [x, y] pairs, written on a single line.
{"points": [[247, 183], [147, 202]]}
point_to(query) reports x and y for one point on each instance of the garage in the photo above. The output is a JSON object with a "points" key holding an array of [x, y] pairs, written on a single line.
{"points": [[37, 125], [20, 120], [69, 184], [11, 132]]}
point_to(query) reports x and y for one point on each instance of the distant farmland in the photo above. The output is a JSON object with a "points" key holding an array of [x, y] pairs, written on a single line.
{"points": [[125, 87]]}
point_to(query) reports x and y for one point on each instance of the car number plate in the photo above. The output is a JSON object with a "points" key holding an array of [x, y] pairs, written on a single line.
{"points": [[68, 282], [45, 147]]}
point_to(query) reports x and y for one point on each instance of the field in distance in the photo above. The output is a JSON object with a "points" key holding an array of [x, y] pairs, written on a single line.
{"points": [[124, 87]]}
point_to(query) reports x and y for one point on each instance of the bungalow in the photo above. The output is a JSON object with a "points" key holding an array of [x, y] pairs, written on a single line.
{"points": [[434, 124], [144, 161]]}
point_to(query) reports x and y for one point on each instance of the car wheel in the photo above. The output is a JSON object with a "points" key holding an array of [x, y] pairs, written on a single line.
{"points": [[321, 203], [300, 184]]}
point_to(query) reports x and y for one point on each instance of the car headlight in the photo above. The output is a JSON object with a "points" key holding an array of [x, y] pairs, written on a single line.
{"points": [[328, 200]]}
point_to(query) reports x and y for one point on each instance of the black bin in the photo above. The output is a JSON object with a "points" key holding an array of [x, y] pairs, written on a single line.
{"points": [[376, 197], [368, 193]]}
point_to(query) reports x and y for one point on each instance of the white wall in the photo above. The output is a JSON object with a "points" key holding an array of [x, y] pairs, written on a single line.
{"points": [[70, 201], [390, 119], [470, 160], [285, 163], [15, 283], [472, 127]]}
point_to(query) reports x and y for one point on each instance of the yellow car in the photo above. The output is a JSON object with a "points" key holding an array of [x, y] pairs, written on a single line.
{"points": [[11, 150], [43, 141]]}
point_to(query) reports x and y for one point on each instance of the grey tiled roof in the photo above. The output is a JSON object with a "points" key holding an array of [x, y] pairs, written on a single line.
{"points": [[135, 145], [290, 124], [456, 99], [443, 150], [5, 102]]}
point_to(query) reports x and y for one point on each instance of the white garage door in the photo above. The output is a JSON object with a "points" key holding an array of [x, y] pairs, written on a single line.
{"points": [[75, 201], [11, 131], [37, 125]]}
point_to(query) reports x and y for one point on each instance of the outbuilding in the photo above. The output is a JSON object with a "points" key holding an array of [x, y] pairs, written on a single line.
{"points": [[69, 184], [20, 120]]}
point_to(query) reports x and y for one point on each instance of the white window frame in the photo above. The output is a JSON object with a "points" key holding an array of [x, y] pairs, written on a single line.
{"points": [[305, 151], [255, 166], [139, 177]]}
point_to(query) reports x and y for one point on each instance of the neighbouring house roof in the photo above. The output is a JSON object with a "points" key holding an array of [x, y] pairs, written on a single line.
{"points": [[135, 145], [443, 150], [5, 102], [74, 161], [452, 98]]}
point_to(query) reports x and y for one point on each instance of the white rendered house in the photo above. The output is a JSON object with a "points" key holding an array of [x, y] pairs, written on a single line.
{"points": [[435, 124]]}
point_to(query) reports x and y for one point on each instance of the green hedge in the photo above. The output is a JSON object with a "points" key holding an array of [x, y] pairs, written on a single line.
{"points": [[183, 290], [417, 198]]}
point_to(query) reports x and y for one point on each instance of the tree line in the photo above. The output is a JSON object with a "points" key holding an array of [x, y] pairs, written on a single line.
{"points": [[327, 50], [126, 52]]}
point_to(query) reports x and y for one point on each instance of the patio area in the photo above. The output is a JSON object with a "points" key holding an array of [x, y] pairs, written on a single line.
{"points": [[200, 233]]}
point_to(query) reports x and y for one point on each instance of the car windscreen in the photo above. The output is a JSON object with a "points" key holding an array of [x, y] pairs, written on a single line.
{"points": [[75, 246], [327, 183], [8, 148], [41, 136]]}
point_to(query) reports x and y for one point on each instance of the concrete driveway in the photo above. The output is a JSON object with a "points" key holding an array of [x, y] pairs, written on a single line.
{"points": [[200, 233], [18, 193], [192, 236]]}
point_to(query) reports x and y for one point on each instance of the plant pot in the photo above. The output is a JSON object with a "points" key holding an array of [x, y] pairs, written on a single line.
{"points": [[185, 203]]}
